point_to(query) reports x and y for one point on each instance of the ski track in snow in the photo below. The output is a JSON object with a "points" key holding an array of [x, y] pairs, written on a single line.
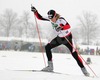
{"points": [[63, 63]]}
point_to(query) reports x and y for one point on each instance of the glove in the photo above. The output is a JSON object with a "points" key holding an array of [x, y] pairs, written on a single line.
{"points": [[58, 28], [33, 9]]}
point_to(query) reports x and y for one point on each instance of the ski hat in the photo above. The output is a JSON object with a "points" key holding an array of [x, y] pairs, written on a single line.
{"points": [[51, 14]]}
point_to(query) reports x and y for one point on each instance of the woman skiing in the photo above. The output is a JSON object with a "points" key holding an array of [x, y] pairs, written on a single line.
{"points": [[62, 28]]}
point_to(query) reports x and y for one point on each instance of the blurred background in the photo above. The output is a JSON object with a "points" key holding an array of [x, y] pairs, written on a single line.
{"points": [[18, 28]]}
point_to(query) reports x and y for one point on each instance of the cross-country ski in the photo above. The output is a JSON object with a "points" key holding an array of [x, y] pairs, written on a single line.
{"points": [[41, 71], [51, 72]]}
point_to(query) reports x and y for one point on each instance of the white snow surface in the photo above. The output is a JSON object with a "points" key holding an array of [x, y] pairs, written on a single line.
{"points": [[63, 63]]}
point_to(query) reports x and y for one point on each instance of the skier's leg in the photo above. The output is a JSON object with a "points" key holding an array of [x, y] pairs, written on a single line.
{"points": [[76, 56], [48, 47], [54, 43]]}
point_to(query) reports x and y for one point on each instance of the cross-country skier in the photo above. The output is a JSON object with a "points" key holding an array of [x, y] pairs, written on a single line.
{"points": [[62, 28]]}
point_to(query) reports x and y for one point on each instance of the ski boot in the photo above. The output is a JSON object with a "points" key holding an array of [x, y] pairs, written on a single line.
{"points": [[49, 68], [85, 71]]}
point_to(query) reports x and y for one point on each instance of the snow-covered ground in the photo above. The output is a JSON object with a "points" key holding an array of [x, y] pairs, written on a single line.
{"points": [[64, 63]]}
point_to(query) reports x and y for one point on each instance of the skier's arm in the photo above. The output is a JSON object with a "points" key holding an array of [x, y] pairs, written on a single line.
{"points": [[33, 9], [40, 17], [64, 24]]}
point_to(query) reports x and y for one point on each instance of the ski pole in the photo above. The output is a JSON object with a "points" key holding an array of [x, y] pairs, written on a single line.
{"points": [[39, 39], [80, 55]]}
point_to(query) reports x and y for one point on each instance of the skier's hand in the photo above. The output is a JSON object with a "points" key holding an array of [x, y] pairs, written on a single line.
{"points": [[58, 28], [33, 9]]}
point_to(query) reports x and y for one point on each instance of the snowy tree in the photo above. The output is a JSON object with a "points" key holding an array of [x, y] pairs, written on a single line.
{"points": [[25, 21], [29, 29], [89, 27], [7, 21]]}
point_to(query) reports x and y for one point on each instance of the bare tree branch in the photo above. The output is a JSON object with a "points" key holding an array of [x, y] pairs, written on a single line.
{"points": [[89, 26], [8, 20]]}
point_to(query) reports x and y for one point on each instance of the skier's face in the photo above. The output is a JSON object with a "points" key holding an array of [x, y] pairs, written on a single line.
{"points": [[53, 19]]}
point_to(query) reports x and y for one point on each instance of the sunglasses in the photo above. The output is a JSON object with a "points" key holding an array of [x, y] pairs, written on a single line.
{"points": [[50, 16]]}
